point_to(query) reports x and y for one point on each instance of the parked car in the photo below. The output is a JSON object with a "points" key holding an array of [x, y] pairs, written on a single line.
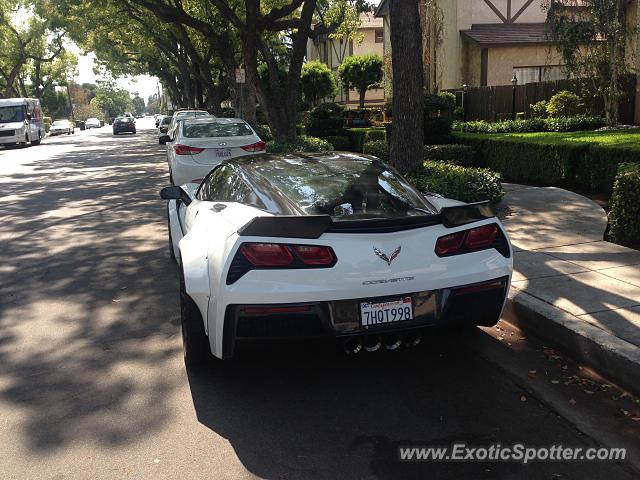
{"points": [[158, 119], [334, 245], [124, 124], [182, 114], [92, 123], [59, 127], [163, 128], [21, 121], [202, 143]]}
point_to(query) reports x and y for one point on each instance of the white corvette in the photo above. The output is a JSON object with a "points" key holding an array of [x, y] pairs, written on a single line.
{"points": [[337, 245]]}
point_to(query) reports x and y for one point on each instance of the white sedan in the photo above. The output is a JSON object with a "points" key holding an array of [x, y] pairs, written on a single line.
{"points": [[92, 123], [199, 144], [328, 245], [60, 127]]}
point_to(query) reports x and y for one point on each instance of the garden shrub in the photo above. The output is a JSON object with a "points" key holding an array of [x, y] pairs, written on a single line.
{"points": [[564, 104], [47, 123], [453, 153], [460, 183], [264, 132], [539, 109], [228, 112], [325, 120], [341, 142], [624, 217], [300, 144], [567, 124]]}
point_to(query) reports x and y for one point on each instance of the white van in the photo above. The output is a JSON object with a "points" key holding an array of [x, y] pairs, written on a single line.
{"points": [[21, 121]]}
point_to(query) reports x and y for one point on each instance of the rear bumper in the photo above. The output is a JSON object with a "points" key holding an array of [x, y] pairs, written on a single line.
{"points": [[475, 304], [124, 129]]}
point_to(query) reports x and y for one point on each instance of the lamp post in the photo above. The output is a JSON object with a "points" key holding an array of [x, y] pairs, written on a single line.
{"points": [[514, 82], [464, 92]]}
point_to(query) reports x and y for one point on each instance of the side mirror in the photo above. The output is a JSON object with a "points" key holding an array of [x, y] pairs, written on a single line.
{"points": [[175, 193]]}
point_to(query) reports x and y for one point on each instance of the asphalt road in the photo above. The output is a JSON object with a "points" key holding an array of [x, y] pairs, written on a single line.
{"points": [[92, 384]]}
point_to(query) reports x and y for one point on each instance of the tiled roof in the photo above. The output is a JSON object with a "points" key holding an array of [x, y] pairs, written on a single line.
{"points": [[507, 34]]}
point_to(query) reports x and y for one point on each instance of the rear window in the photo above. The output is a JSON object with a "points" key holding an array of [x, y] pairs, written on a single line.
{"points": [[208, 130], [344, 188], [166, 120]]}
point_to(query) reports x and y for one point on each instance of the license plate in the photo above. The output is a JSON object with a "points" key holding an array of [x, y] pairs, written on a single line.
{"points": [[223, 152], [372, 314]]}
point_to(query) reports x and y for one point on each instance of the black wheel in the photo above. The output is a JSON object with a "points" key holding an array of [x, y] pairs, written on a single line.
{"points": [[134, 132], [37, 142], [195, 344], [172, 254], [26, 142]]}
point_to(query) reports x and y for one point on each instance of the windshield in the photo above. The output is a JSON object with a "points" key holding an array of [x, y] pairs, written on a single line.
{"points": [[344, 187], [60, 123], [166, 120], [12, 114], [208, 130]]}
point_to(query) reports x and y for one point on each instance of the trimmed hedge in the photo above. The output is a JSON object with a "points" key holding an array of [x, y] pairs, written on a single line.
{"points": [[449, 180], [560, 124], [457, 154], [460, 183], [624, 217], [326, 120], [462, 155], [378, 149], [300, 144], [360, 136], [586, 164]]}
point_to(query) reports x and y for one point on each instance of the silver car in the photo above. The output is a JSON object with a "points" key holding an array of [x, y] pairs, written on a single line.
{"points": [[199, 144]]}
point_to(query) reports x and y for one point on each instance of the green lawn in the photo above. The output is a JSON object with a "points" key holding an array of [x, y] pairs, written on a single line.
{"points": [[627, 139]]}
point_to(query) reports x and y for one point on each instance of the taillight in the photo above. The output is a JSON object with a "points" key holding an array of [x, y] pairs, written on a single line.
{"points": [[197, 180], [251, 256], [255, 147], [474, 239], [449, 243], [186, 150], [314, 255], [481, 237], [267, 254]]}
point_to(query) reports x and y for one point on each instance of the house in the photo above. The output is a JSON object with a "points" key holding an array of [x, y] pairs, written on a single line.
{"points": [[333, 51], [484, 42]]}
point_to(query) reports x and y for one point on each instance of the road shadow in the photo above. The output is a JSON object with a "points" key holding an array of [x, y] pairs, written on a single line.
{"points": [[88, 302]]}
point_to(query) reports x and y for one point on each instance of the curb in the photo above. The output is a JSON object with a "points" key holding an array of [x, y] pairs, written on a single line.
{"points": [[607, 354]]}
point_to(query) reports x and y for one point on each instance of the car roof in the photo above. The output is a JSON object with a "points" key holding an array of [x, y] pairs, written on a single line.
{"points": [[212, 119]]}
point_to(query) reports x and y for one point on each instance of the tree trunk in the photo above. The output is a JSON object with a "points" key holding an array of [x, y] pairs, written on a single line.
{"points": [[362, 95], [407, 136]]}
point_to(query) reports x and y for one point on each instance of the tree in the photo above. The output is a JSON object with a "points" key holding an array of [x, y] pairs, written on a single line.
{"points": [[138, 105], [317, 81], [592, 41], [407, 136], [111, 99], [361, 72]]}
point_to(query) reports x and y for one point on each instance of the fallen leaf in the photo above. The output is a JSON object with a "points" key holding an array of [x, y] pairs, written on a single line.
{"points": [[572, 402], [635, 419], [523, 398], [555, 382], [589, 392]]}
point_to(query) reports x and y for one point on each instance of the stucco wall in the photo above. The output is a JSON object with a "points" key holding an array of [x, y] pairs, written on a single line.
{"points": [[501, 61]]}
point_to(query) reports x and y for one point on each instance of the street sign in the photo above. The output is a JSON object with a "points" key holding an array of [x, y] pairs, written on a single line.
{"points": [[240, 76]]}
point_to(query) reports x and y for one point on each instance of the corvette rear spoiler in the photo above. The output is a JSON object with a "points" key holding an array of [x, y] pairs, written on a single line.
{"points": [[312, 226]]}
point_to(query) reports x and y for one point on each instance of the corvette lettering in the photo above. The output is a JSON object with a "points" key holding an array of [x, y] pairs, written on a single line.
{"points": [[388, 280]]}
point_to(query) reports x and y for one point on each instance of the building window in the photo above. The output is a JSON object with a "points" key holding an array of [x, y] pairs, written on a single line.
{"points": [[540, 73], [380, 36]]}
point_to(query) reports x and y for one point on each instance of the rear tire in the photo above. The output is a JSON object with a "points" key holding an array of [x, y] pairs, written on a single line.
{"points": [[25, 143], [195, 343]]}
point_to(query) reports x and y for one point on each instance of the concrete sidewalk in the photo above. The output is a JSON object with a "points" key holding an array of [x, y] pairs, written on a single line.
{"points": [[569, 286]]}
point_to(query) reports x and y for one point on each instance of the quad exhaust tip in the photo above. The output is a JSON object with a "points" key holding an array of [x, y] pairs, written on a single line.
{"points": [[373, 343]]}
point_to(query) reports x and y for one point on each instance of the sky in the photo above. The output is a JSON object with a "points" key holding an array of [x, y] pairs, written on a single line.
{"points": [[143, 84]]}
